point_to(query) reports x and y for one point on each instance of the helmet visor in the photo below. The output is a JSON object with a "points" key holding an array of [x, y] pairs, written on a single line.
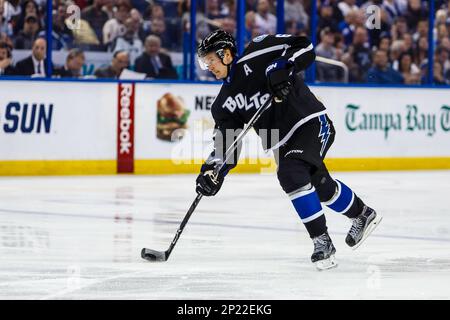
{"points": [[208, 60]]}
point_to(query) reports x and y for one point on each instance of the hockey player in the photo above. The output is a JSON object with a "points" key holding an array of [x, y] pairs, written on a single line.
{"points": [[269, 67]]}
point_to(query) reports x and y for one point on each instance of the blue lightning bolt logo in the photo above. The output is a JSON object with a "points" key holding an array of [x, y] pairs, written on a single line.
{"points": [[324, 133]]}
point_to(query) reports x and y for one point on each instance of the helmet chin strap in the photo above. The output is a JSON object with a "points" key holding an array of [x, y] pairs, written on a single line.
{"points": [[228, 68], [221, 55]]}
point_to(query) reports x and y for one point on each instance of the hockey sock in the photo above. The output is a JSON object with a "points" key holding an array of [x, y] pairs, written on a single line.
{"points": [[345, 201], [307, 204]]}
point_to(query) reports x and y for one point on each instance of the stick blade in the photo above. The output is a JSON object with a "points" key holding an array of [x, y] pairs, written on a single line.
{"points": [[153, 255]]}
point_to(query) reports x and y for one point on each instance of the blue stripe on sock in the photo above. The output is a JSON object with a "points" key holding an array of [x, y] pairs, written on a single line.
{"points": [[307, 205], [344, 199]]}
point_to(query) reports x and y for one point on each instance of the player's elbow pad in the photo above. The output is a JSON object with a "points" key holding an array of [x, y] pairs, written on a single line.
{"points": [[305, 60]]}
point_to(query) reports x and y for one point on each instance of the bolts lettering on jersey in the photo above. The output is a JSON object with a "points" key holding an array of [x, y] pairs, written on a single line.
{"points": [[240, 101]]}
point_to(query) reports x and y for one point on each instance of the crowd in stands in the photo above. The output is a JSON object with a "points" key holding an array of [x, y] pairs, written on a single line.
{"points": [[393, 52], [142, 35]]}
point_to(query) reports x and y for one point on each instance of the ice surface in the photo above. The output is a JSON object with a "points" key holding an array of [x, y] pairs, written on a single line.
{"points": [[80, 238]]}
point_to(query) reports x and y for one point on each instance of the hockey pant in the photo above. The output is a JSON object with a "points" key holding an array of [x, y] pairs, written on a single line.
{"points": [[304, 177]]}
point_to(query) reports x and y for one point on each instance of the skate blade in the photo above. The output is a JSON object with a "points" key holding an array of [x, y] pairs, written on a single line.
{"points": [[326, 263], [369, 230]]}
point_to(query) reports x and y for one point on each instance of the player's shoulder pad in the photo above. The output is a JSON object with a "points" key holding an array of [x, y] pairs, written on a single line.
{"points": [[259, 38]]}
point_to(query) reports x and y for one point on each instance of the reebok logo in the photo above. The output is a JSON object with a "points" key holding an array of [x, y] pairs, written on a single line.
{"points": [[125, 128], [125, 119]]}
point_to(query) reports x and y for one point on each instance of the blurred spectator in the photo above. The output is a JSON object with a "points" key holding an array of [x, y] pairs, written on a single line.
{"points": [[159, 29], [81, 3], [381, 72], [29, 7], [251, 30], [422, 30], [409, 71], [394, 8], [438, 74], [408, 44], [294, 11], [353, 19], [213, 10], [168, 28], [96, 17], [346, 6], [295, 28], [62, 37], [108, 8], [141, 5], [442, 33], [384, 44], [251, 5], [153, 62], [130, 41], [119, 62], [421, 51], [229, 8], [74, 63], [202, 26], [28, 35], [442, 56], [399, 28], [327, 18], [6, 67], [354, 71], [5, 27], [139, 23], [416, 12], [361, 52], [217, 19], [11, 14], [445, 43], [34, 65], [375, 34], [326, 49], [265, 21], [115, 27]]}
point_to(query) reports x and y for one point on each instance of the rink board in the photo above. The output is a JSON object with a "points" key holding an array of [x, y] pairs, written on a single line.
{"points": [[59, 128]]}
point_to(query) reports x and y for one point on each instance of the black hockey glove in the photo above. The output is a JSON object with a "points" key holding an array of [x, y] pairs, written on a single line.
{"points": [[278, 79], [206, 183]]}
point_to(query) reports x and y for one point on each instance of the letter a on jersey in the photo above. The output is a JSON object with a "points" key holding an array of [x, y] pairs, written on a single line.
{"points": [[247, 69]]}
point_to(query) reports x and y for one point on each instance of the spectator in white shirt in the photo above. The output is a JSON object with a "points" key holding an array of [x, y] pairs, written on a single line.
{"points": [[265, 21]]}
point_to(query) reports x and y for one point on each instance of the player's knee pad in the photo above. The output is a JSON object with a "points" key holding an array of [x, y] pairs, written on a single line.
{"points": [[292, 178], [306, 203], [325, 186], [342, 199]]}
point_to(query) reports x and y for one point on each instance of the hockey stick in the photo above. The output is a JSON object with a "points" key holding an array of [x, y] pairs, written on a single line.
{"points": [[153, 255]]}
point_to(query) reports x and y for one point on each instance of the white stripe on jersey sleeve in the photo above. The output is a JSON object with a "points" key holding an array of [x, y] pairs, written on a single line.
{"points": [[296, 126], [300, 52], [263, 51]]}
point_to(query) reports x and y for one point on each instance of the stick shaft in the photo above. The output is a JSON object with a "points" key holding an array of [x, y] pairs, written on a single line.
{"points": [[183, 224]]}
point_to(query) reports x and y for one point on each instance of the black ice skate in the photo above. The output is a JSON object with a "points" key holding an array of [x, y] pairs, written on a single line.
{"points": [[362, 226], [323, 255]]}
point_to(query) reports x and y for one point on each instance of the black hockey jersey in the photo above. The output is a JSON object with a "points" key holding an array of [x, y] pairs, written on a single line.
{"points": [[245, 90]]}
